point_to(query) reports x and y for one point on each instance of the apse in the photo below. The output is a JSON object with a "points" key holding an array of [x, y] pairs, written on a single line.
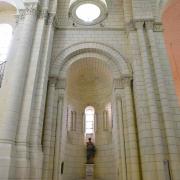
{"points": [[89, 93]]}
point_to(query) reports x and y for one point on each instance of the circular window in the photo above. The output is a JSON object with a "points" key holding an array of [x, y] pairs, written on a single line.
{"points": [[90, 12]]}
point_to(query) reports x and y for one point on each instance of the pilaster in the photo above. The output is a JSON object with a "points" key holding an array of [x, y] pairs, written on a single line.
{"points": [[47, 131], [141, 105], [167, 116], [131, 129], [39, 104], [61, 85], [152, 102], [12, 91], [119, 118]]}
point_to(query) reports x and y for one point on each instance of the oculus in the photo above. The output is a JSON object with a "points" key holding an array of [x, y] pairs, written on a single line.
{"points": [[88, 12]]}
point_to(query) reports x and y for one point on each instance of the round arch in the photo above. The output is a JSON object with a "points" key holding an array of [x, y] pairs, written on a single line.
{"points": [[19, 4], [118, 64]]}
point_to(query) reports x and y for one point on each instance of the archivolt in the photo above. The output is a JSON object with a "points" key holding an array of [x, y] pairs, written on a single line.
{"points": [[112, 57]]}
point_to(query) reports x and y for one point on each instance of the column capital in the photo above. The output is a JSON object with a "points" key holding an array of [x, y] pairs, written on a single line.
{"points": [[149, 24], [31, 8], [52, 81], [117, 83], [61, 84], [20, 16], [130, 26], [122, 82], [126, 81], [139, 24], [50, 19], [61, 93], [43, 14]]}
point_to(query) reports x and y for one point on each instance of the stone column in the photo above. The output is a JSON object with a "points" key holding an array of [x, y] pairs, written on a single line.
{"points": [[48, 127], [13, 88], [132, 129], [152, 103], [36, 155], [141, 107], [118, 90], [168, 118], [58, 140], [22, 137]]}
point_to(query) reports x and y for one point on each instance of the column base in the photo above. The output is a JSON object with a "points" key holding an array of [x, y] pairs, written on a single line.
{"points": [[7, 161], [36, 161], [22, 161]]}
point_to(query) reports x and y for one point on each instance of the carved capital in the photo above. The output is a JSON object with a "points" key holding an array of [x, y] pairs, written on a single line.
{"points": [[31, 8], [117, 84], [50, 18], [158, 27], [139, 24], [61, 84], [21, 15], [126, 81], [61, 93], [149, 24], [130, 26], [43, 14], [52, 81]]}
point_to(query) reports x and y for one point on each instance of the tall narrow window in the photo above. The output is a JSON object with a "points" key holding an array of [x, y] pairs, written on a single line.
{"points": [[5, 40], [89, 120]]}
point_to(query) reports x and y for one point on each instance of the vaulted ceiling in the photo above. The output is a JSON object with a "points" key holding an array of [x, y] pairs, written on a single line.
{"points": [[89, 82]]}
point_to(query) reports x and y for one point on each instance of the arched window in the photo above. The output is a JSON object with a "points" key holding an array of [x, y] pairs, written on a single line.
{"points": [[89, 120], [5, 40]]}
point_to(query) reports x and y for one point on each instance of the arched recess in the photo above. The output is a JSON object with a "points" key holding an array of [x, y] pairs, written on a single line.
{"points": [[171, 25], [119, 65], [89, 70]]}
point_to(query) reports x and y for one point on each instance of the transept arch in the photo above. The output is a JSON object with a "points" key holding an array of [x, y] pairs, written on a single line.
{"points": [[112, 57]]}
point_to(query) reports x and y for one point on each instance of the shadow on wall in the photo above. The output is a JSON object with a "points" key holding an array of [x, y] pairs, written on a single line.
{"points": [[171, 25]]}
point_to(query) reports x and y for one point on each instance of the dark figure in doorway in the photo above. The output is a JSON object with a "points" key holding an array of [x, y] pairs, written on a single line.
{"points": [[90, 152]]}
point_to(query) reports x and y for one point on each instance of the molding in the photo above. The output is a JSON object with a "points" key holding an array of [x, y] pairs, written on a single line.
{"points": [[140, 24], [88, 28]]}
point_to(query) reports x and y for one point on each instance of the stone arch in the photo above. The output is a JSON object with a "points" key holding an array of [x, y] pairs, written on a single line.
{"points": [[16, 3], [7, 13], [118, 64]]}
